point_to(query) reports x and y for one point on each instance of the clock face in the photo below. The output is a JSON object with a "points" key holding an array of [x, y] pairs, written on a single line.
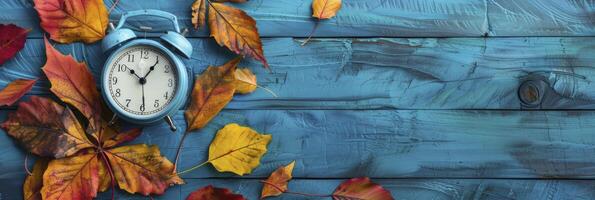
{"points": [[142, 80]]}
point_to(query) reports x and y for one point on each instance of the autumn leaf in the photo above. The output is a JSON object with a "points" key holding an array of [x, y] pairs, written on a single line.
{"points": [[212, 193], [34, 182], [325, 9], [73, 83], [212, 91], [45, 128], [70, 21], [199, 13], [233, 28], [12, 40], [75, 177], [233, 1], [237, 149], [245, 81], [15, 90], [276, 184], [361, 188]]}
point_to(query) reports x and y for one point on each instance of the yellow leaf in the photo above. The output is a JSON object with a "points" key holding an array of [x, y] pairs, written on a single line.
{"points": [[325, 9], [237, 149], [34, 182], [199, 11], [71, 178], [245, 81]]}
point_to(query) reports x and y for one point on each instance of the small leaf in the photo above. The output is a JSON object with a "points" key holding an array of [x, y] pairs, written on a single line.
{"points": [[245, 81], [117, 138], [212, 193], [361, 188], [73, 83], [199, 13], [71, 178], [45, 128], [142, 169], [279, 178], [233, 28], [34, 182], [70, 21], [212, 91], [237, 149], [15, 90], [12, 40], [325, 9]]}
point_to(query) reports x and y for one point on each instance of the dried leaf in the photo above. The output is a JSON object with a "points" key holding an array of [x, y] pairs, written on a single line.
{"points": [[141, 168], [73, 83], [212, 193], [325, 9], [45, 128], [245, 81], [279, 178], [199, 13], [15, 90], [119, 138], [212, 91], [361, 188], [70, 21], [233, 28], [71, 178], [237, 149], [34, 182], [12, 40]]}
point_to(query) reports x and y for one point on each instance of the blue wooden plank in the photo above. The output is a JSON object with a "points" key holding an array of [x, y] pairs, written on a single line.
{"points": [[404, 73]]}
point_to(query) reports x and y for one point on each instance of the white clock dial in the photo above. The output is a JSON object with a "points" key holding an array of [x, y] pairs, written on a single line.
{"points": [[142, 80]]}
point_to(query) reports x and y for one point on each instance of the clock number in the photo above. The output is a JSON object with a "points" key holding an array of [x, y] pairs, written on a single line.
{"points": [[156, 105], [128, 103], [142, 107], [144, 54], [122, 68], [130, 57], [166, 95], [166, 68], [170, 82], [118, 93], [114, 80]]}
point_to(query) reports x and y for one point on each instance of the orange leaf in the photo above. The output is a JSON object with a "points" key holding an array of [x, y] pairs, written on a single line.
{"points": [[361, 188], [325, 9], [245, 81], [212, 91], [15, 90], [73, 83], [119, 138], [141, 168], [69, 178], [276, 184], [34, 182], [73, 20], [212, 193], [45, 128], [236, 30], [12, 40], [199, 13]]}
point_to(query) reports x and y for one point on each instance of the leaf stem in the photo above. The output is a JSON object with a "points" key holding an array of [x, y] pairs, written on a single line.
{"points": [[311, 33], [178, 152], [26, 165], [111, 173], [268, 90], [193, 168], [296, 193]]}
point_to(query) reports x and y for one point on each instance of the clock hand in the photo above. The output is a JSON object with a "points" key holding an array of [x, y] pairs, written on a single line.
{"points": [[152, 67], [132, 72], [143, 90]]}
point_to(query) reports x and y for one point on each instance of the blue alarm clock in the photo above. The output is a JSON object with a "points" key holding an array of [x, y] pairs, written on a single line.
{"points": [[145, 81]]}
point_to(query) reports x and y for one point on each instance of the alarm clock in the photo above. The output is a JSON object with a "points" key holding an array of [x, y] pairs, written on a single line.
{"points": [[145, 81]]}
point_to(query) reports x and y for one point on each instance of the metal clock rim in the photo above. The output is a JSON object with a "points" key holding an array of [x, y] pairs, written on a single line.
{"points": [[176, 103]]}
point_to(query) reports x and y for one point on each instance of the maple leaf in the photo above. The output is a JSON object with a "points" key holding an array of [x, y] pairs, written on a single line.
{"points": [[325, 9], [213, 89], [276, 184], [34, 182], [12, 40], [15, 90], [199, 13], [212, 193], [233, 28], [361, 188], [245, 81], [73, 20]]}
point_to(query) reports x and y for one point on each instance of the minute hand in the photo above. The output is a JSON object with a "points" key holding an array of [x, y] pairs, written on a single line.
{"points": [[152, 68]]}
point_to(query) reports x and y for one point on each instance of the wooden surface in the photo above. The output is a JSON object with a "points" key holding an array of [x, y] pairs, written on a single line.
{"points": [[427, 97]]}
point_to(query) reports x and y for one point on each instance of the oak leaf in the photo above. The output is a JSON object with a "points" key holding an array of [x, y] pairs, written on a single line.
{"points": [[276, 184], [213, 89], [325, 9], [233, 28], [199, 13], [361, 188], [245, 81], [12, 40], [15, 90], [237, 149], [212, 193], [34, 182], [70, 21]]}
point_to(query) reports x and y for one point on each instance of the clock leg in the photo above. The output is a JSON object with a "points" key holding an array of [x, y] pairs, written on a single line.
{"points": [[171, 124], [113, 120]]}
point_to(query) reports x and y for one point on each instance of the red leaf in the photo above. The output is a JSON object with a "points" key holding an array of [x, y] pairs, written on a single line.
{"points": [[15, 90], [361, 189], [213, 193], [12, 39]]}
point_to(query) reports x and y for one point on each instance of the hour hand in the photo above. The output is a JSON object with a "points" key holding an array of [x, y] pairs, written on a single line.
{"points": [[133, 73]]}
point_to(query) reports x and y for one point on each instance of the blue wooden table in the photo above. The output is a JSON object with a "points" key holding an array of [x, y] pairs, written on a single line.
{"points": [[433, 99]]}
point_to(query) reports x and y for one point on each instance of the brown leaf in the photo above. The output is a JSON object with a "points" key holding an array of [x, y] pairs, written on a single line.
{"points": [[73, 178], [212, 91], [233, 28], [45, 128], [15, 90], [213, 193], [361, 188], [199, 13], [276, 184], [12, 40], [73, 20], [325, 9], [245, 81], [34, 182]]}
